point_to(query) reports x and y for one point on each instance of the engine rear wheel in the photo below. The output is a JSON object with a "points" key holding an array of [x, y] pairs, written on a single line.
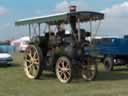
{"points": [[33, 62], [64, 69], [89, 69]]}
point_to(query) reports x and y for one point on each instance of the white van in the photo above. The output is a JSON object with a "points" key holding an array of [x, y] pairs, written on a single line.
{"points": [[5, 57]]}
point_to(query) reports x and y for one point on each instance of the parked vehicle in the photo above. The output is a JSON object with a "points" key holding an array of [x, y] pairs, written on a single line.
{"points": [[115, 52], [64, 54], [5, 57]]}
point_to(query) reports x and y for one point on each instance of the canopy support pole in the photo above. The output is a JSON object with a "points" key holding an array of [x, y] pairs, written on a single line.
{"points": [[78, 25], [39, 28], [91, 31], [49, 29], [29, 28]]}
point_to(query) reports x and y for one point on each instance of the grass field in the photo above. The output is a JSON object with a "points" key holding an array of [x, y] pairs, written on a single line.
{"points": [[13, 82]]}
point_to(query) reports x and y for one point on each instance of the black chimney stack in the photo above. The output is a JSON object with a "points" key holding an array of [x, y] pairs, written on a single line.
{"points": [[72, 8]]}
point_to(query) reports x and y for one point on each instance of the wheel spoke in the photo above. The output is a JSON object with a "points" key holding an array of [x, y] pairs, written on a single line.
{"points": [[68, 73], [62, 63], [29, 53], [29, 66], [35, 55], [36, 66], [28, 61], [59, 67], [34, 70], [65, 76], [36, 61], [67, 66], [30, 69], [35, 58], [61, 73], [67, 69]]}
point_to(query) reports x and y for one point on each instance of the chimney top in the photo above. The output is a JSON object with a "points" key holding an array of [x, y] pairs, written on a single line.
{"points": [[72, 8]]}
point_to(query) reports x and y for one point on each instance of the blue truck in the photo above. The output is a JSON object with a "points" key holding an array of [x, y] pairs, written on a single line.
{"points": [[114, 52]]}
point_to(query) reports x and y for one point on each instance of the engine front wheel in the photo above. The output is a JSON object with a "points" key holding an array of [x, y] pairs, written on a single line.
{"points": [[33, 62], [89, 69], [64, 69]]}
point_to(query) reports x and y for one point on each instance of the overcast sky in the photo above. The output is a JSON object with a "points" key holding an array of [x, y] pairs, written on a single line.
{"points": [[115, 23]]}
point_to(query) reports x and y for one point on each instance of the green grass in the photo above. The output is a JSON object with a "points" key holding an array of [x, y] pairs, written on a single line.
{"points": [[13, 82]]}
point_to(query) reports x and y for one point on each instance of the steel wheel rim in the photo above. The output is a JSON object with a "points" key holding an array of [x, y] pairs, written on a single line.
{"points": [[31, 62], [88, 70], [63, 70]]}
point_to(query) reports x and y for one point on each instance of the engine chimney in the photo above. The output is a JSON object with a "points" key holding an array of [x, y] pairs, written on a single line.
{"points": [[72, 8]]}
